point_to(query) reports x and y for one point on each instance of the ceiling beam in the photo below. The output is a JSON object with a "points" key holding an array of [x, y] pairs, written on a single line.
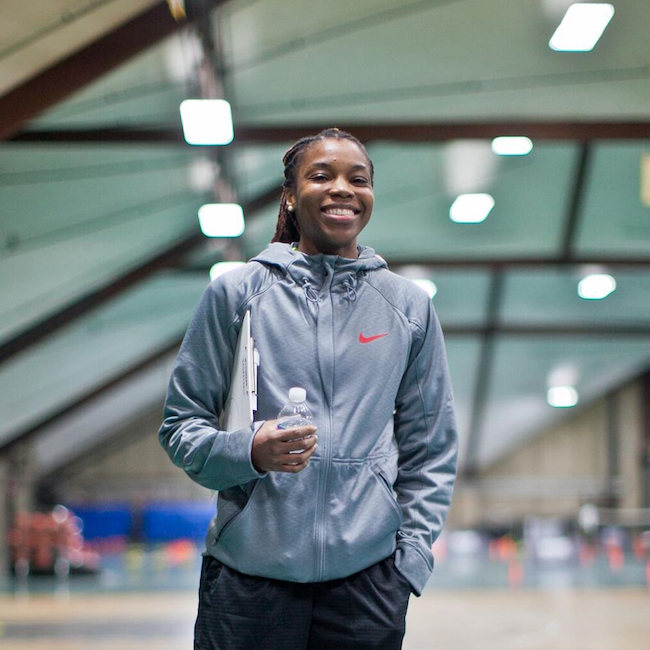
{"points": [[577, 330], [484, 373], [62, 79], [417, 133], [169, 257], [574, 211], [476, 263]]}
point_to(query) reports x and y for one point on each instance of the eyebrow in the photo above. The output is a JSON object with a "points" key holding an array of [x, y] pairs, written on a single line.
{"points": [[324, 165]]}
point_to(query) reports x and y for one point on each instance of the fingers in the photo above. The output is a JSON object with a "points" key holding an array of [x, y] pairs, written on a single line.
{"points": [[294, 463], [296, 444], [291, 434], [272, 446]]}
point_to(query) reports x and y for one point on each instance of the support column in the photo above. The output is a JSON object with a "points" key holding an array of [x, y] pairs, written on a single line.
{"points": [[17, 481], [4, 514], [612, 434], [644, 451]]}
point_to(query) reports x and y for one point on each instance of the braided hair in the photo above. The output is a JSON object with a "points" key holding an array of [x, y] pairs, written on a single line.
{"points": [[287, 230]]}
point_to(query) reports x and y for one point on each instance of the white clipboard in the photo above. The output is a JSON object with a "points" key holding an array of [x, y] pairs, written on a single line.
{"points": [[238, 412]]}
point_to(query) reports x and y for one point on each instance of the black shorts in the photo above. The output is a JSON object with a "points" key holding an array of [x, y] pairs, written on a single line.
{"points": [[365, 611]]}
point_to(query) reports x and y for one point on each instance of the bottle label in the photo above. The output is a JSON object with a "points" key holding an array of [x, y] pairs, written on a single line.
{"points": [[292, 422]]}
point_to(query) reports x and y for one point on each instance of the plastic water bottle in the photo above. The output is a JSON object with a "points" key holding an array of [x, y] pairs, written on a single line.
{"points": [[295, 413]]}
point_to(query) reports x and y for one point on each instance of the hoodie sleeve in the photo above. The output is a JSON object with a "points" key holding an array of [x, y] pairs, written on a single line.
{"points": [[425, 429], [197, 391]]}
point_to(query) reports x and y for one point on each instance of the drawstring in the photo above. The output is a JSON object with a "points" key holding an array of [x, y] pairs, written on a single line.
{"points": [[312, 295], [350, 292], [310, 292]]}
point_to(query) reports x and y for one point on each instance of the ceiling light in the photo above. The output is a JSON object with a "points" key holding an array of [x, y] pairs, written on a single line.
{"points": [[562, 396], [206, 121], [223, 267], [428, 286], [202, 174], [471, 208], [510, 145], [469, 166], [582, 26], [596, 286], [221, 219]]}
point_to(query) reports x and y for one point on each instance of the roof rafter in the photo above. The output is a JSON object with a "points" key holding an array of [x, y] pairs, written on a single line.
{"points": [[574, 212], [62, 79], [484, 372], [368, 132]]}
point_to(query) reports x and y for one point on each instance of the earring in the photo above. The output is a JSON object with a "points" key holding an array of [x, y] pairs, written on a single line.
{"points": [[289, 207]]}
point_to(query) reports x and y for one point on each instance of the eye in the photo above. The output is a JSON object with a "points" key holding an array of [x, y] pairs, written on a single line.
{"points": [[318, 177], [360, 180]]}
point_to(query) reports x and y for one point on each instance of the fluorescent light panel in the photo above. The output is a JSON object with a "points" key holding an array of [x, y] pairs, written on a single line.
{"points": [[471, 208], [512, 145], [206, 121], [428, 286], [221, 219], [596, 286], [582, 26], [223, 267], [562, 396]]}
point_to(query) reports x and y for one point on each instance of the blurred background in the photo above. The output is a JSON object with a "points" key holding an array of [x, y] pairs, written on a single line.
{"points": [[511, 143]]}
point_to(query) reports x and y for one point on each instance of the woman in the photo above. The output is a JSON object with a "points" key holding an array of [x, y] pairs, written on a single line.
{"points": [[321, 548]]}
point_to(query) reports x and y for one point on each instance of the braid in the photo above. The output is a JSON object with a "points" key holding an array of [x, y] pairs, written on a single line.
{"points": [[286, 229]]}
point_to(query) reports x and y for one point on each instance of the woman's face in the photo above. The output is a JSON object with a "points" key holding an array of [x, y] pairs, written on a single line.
{"points": [[332, 197]]}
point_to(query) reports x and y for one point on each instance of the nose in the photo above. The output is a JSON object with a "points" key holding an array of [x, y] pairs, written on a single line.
{"points": [[341, 187]]}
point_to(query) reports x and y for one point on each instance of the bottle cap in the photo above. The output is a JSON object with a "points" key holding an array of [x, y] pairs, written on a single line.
{"points": [[297, 395]]}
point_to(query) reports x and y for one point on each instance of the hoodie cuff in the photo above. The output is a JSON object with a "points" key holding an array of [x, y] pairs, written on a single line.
{"points": [[239, 448], [256, 427], [412, 565]]}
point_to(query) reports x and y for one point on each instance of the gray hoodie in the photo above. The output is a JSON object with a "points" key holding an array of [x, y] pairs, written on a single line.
{"points": [[367, 346]]}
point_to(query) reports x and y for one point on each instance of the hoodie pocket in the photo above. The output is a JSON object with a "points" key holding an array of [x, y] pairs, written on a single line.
{"points": [[363, 518], [387, 486], [231, 504], [273, 534]]}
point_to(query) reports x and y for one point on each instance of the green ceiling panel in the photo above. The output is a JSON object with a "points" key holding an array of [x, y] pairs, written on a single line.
{"points": [[551, 297], [95, 348], [443, 59], [411, 216], [615, 222]]}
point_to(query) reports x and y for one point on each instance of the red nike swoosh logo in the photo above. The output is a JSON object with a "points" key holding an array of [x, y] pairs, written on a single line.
{"points": [[370, 339]]}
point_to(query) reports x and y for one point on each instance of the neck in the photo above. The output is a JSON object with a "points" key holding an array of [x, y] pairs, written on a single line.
{"points": [[349, 252]]}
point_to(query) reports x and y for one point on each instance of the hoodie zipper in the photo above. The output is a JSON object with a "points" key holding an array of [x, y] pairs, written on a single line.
{"points": [[323, 486]]}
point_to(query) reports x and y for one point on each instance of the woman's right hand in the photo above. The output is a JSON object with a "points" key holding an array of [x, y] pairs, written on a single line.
{"points": [[271, 447]]}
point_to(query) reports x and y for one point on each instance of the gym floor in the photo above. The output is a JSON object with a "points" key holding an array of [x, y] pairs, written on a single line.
{"points": [[146, 599]]}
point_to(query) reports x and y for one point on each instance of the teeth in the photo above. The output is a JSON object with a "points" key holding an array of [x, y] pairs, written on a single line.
{"points": [[341, 212]]}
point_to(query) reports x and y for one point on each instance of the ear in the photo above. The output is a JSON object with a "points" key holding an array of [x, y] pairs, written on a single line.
{"points": [[291, 199]]}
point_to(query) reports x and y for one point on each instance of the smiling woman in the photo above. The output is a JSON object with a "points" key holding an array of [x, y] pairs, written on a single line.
{"points": [[330, 537], [327, 196]]}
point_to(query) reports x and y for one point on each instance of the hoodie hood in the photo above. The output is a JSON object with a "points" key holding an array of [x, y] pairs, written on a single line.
{"points": [[299, 266]]}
